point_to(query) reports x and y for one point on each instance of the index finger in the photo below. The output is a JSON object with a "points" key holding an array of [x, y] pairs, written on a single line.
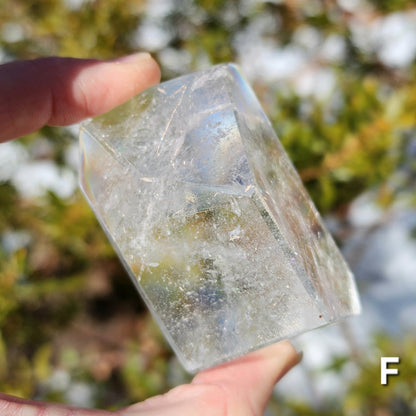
{"points": [[62, 91]]}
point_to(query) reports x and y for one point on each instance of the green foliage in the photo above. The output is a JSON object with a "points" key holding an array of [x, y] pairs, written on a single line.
{"points": [[102, 28], [340, 152], [393, 5], [141, 379], [398, 394], [365, 396], [65, 302]]}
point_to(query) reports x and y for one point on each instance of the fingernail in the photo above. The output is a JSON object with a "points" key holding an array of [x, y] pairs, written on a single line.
{"points": [[134, 58]]}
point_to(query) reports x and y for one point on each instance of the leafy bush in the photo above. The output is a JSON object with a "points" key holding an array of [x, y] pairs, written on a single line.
{"points": [[67, 310]]}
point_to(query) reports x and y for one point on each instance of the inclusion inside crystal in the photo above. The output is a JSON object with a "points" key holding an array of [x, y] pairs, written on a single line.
{"points": [[211, 220]]}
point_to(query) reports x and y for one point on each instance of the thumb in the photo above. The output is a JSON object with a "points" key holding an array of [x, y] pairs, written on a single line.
{"points": [[250, 380], [62, 91]]}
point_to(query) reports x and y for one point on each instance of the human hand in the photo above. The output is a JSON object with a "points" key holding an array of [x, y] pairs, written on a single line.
{"points": [[239, 388], [62, 91]]}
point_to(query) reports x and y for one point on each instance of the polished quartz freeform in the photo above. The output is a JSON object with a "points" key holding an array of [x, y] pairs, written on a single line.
{"points": [[211, 220]]}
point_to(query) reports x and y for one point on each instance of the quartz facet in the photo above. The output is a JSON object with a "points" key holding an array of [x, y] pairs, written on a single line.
{"points": [[211, 220]]}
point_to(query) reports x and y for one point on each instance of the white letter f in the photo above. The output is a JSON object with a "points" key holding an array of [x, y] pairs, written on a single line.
{"points": [[386, 371]]}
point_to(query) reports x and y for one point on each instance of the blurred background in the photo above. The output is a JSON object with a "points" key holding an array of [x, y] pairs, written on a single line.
{"points": [[338, 80]]}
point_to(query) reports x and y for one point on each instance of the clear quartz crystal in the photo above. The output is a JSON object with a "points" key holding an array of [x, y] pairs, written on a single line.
{"points": [[211, 220]]}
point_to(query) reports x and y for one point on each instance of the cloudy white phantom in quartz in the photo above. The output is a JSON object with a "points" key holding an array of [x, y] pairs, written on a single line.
{"points": [[210, 218]]}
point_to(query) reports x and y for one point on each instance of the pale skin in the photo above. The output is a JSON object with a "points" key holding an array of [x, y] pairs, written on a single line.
{"points": [[63, 91]]}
